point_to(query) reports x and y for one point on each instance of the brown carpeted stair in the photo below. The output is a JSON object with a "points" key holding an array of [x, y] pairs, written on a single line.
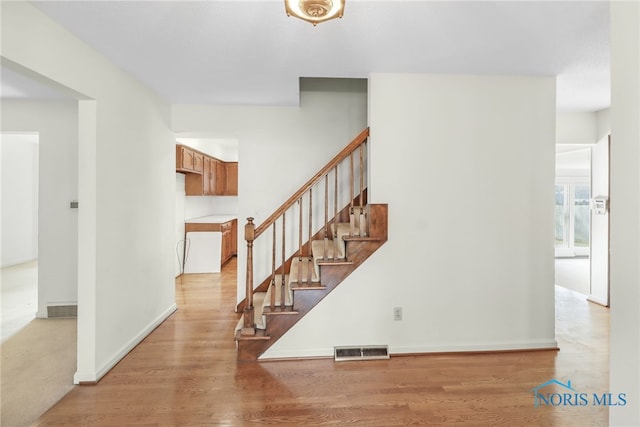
{"points": [[310, 279]]}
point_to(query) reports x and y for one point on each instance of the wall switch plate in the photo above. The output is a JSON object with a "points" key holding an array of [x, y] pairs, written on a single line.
{"points": [[73, 204], [397, 313]]}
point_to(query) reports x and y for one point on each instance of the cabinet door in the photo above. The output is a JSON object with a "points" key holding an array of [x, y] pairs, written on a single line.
{"points": [[206, 173], [193, 184], [234, 237], [231, 185], [212, 177], [227, 245], [221, 178], [198, 162], [227, 237], [184, 158]]}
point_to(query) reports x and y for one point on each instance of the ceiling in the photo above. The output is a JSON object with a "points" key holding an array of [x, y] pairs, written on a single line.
{"points": [[248, 52]]}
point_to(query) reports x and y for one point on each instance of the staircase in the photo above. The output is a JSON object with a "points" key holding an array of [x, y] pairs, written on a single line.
{"points": [[312, 251]]}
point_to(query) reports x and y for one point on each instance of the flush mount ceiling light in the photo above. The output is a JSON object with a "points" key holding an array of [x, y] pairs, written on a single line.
{"points": [[315, 11]]}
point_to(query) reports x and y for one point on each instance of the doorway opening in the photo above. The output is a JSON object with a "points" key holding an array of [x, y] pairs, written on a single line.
{"points": [[573, 217], [19, 166]]}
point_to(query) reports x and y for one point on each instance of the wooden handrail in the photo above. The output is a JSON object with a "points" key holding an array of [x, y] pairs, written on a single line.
{"points": [[298, 194], [252, 232]]}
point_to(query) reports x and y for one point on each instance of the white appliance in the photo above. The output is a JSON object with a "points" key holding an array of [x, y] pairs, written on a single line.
{"points": [[204, 252]]}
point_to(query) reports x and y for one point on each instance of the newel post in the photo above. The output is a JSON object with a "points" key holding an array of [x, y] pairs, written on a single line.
{"points": [[249, 235]]}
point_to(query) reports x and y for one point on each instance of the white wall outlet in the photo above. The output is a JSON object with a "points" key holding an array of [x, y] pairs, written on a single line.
{"points": [[397, 313]]}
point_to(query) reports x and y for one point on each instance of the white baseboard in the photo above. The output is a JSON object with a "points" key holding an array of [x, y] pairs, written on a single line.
{"points": [[84, 377], [18, 262], [398, 350], [96, 376], [297, 353], [478, 347], [597, 300]]}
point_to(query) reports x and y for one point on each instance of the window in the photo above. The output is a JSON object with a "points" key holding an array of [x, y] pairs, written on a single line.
{"points": [[572, 219]]}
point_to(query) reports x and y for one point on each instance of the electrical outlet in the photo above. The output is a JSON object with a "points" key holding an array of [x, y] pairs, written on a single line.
{"points": [[397, 313]]}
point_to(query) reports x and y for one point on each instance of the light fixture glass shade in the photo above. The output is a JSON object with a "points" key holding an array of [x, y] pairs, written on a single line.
{"points": [[314, 11]]}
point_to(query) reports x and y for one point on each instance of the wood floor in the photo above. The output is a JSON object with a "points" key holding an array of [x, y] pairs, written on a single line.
{"points": [[185, 373]]}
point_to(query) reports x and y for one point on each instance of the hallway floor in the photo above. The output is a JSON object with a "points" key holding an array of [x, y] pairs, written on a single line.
{"points": [[19, 297], [185, 373], [38, 355], [574, 274]]}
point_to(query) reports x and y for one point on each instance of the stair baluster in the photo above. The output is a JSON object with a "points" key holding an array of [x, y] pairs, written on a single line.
{"points": [[310, 255], [335, 212], [326, 218], [249, 322], [351, 196], [300, 241], [273, 269], [361, 219], [284, 236]]}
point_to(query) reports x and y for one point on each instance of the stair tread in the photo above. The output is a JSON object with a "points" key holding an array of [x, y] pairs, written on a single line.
{"points": [[362, 239], [261, 334], [334, 262], [287, 309], [288, 297], [318, 248], [342, 235], [307, 286], [300, 270]]}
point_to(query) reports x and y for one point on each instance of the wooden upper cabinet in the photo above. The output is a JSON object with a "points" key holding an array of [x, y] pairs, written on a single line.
{"points": [[198, 162], [205, 175], [221, 178], [188, 160], [231, 184]]}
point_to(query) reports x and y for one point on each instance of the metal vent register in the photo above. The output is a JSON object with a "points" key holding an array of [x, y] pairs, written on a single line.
{"points": [[369, 352]]}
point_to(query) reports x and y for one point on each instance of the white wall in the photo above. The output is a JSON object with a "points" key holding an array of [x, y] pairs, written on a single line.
{"points": [[196, 206], [280, 148], [57, 124], [576, 128], [624, 361], [573, 163], [599, 289], [19, 169], [126, 189], [466, 165]]}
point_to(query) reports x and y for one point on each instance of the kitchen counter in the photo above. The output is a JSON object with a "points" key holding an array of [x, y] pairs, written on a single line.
{"points": [[212, 242], [208, 223], [211, 219]]}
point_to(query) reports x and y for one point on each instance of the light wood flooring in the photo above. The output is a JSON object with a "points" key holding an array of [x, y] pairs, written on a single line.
{"points": [[185, 373]]}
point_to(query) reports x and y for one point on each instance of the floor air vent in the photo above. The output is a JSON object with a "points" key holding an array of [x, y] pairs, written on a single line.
{"points": [[62, 311], [369, 352]]}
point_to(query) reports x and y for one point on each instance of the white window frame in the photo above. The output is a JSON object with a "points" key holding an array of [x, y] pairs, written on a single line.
{"points": [[571, 250]]}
